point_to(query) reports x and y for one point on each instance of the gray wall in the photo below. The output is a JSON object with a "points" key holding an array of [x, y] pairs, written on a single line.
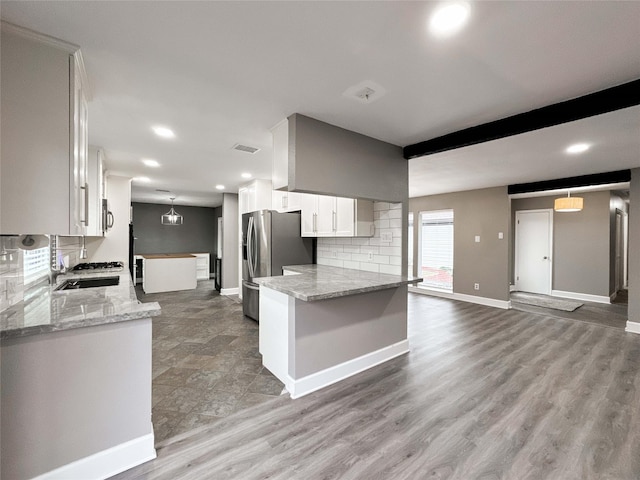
{"points": [[634, 247], [580, 243], [198, 233], [230, 241], [478, 212], [67, 395], [330, 160]]}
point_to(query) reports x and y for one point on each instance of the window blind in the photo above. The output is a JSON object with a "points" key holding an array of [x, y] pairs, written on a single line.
{"points": [[436, 249], [36, 265]]}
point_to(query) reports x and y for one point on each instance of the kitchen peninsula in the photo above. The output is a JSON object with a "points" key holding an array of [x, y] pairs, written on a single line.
{"points": [[321, 324], [168, 272], [76, 381]]}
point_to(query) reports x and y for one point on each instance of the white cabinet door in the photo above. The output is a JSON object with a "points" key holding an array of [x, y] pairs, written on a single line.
{"points": [[286, 201], [309, 205], [44, 127], [344, 218], [326, 216], [95, 179]]}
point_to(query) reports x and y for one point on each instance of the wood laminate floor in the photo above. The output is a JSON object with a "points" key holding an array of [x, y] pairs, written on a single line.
{"points": [[484, 394]]}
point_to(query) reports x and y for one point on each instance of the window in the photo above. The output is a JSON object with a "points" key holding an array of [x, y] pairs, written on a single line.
{"points": [[436, 250], [36, 265]]}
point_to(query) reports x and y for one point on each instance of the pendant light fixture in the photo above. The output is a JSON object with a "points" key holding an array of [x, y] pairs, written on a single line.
{"points": [[171, 217], [568, 204]]}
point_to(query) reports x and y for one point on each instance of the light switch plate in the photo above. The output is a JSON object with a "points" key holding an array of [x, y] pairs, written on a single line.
{"points": [[477, 238], [386, 237], [500, 235]]}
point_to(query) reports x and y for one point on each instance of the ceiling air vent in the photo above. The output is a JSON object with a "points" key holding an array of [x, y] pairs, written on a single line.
{"points": [[365, 92], [245, 148]]}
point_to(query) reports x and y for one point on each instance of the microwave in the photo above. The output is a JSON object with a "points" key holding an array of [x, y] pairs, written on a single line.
{"points": [[107, 217]]}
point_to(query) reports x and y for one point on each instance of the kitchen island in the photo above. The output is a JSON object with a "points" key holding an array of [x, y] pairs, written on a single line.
{"points": [[321, 324], [168, 272], [76, 381]]}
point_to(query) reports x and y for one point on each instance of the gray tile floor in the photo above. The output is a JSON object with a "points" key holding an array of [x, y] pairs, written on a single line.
{"points": [[206, 363]]}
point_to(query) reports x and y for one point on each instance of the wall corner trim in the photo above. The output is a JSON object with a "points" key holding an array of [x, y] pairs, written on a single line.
{"points": [[632, 327], [585, 297], [463, 297], [107, 463], [230, 291]]}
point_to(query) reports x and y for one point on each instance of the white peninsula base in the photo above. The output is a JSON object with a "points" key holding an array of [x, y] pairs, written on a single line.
{"points": [[310, 345]]}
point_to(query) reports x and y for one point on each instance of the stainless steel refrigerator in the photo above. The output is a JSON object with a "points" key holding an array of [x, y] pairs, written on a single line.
{"points": [[270, 240]]}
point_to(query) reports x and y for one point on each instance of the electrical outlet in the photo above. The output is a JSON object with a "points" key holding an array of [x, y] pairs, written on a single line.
{"points": [[476, 286], [335, 253], [386, 237], [370, 255]]}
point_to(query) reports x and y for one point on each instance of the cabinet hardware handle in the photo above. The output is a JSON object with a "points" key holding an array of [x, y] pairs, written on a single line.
{"points": [[285, 201], [86, 205], [334, 221], [315, 222]]}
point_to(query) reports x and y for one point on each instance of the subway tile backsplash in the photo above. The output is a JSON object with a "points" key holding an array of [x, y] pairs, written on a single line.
{"points": [[370, 254]]}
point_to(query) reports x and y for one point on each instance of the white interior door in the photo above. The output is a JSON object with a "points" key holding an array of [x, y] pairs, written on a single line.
{"points": [[534, 233]]}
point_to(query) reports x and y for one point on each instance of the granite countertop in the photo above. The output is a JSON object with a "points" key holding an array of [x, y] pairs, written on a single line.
{"points": [[44, 310], [321, 282]]}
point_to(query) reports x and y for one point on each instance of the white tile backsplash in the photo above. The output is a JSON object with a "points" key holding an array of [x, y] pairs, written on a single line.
{"points": [[368, 253]]}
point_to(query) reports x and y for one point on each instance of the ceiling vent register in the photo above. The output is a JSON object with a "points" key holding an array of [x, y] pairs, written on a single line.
{"points": [[245, 148]]}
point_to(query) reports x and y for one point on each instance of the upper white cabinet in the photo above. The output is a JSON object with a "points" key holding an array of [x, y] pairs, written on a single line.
{"points": [[254, 196], [280, 167], [44, 135], [283, 201], [95, 181], [324, 216]]}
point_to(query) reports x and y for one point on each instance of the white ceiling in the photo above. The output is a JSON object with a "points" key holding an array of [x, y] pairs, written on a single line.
{"points": [[220, 73]]}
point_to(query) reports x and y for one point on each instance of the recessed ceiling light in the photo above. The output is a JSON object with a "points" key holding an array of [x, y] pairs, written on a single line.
{"points": [[150, 162], [163, 132], [220, 187], [246, 175], [448, 18], [578, 148], [142, 179]]}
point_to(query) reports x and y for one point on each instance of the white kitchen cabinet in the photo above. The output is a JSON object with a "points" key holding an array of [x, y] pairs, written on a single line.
{"points": [[280, 166], [44, 135], [202, 265], [255, 196], [95, 182], [325, 216], [286, 201]]}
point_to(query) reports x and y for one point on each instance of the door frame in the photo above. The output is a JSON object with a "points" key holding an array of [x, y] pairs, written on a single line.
{"points": [[515, 247]]}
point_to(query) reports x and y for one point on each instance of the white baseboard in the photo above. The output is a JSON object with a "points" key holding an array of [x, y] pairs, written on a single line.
{"points": [[632, 327], [106, 463], [489, 302], [316, 381], [229, 291], [585, 297]]}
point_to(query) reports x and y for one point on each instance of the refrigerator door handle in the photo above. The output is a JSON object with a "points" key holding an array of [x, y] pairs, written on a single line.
{"points": [[249, 243]]}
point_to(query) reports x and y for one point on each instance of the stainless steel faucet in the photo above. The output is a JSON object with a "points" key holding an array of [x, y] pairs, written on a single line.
{"points": [[56, 266]]}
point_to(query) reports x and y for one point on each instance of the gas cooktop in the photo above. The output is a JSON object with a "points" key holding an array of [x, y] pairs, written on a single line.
{"points": [[98, 266]]}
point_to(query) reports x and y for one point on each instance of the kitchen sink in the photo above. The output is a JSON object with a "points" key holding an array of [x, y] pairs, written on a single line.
{"points": [[88, 283]]}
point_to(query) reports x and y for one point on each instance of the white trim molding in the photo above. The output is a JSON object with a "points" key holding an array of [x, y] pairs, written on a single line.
{"points": [[107, 463], [585, 297], [632, 327], [324, 378], [229, 291], [463, 297]]}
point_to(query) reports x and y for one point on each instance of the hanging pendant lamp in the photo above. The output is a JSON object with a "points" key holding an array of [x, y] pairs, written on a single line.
{"points": [[568, 204], [171, 217]]}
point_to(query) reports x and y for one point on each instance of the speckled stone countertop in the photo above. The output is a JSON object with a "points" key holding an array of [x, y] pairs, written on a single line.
{"points": [[44, 310], [321, 282]]}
